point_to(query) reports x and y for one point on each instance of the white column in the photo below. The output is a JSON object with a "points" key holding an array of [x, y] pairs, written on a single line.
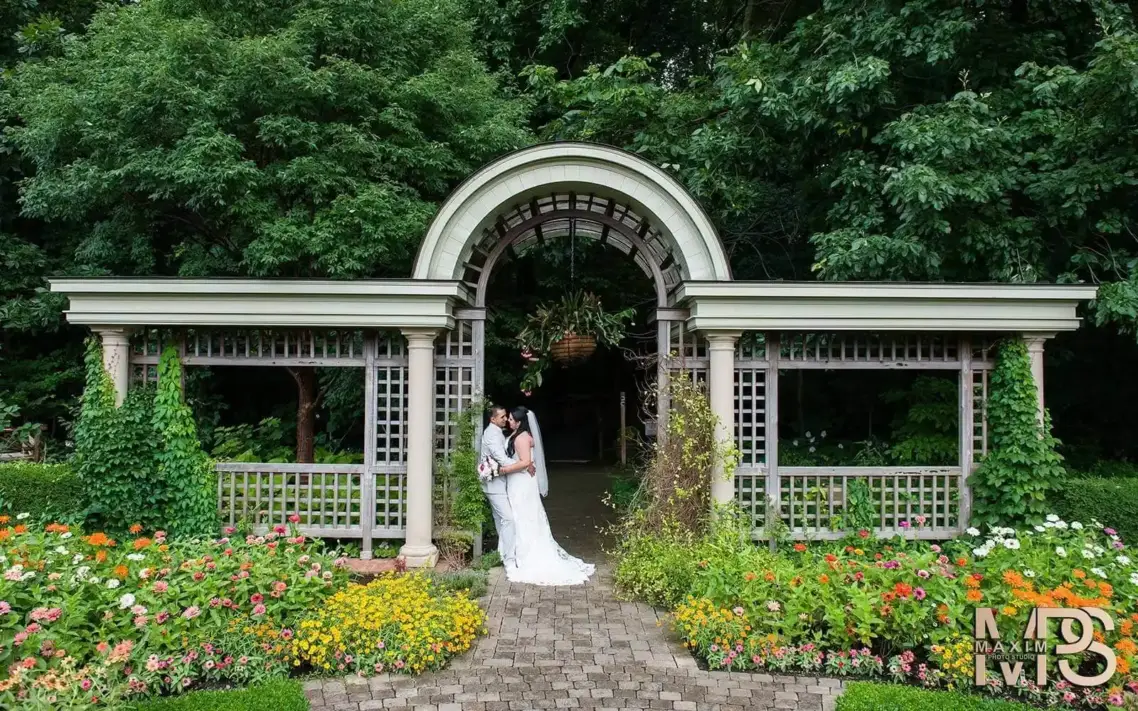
{"points": [[116, 357], [419, 550], [721, 377], [1034, 343]]}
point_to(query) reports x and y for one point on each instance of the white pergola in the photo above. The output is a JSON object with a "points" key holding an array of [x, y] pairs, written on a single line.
{"points": [[420, 341]]}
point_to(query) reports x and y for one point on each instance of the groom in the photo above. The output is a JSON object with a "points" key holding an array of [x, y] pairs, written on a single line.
{"points": [[494, 445]]}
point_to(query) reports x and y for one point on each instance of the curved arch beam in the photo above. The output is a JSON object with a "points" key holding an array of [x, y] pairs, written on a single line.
{"points": [[580, 167], [522, 229]]}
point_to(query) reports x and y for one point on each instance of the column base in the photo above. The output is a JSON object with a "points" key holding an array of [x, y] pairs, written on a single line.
{"points": [[420, 556]]}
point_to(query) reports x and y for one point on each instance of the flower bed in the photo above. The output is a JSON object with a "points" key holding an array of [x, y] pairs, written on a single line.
{"points": [[87, 620], [905, 609]]}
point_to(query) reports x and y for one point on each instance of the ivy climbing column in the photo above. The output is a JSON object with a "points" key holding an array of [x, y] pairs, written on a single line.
{"points": [[116, 358]]}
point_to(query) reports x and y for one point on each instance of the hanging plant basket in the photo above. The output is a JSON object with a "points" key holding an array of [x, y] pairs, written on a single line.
{"points": [[572, 348]]}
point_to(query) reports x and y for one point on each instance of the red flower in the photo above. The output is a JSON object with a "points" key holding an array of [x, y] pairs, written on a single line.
{"points": [[799, 547], [257, 598], [863, 533]]}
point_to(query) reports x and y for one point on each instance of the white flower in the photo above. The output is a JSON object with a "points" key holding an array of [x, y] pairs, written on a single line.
{"points": [[809, 436], [27, 576], [841, 446], [1028, 573], [1089, 555], [77, 559], [1061, 551], [1052, 518], [1134, 578], [113, 583], [21, 517], [81, 572], [1040, 529], [61, 550], [811, 449], [973, 531], [823, 434], [65, 535], [794, 443], [1011, 544], [1099, 572], [126, 601], [1099, 549], [980, 552], [1076, 525], [1048, 524], [1123, 560], [135, 557], [1061, 525]]}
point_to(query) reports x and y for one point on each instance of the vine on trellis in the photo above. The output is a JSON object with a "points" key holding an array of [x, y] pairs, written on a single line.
{"points": [[1010, 487]]}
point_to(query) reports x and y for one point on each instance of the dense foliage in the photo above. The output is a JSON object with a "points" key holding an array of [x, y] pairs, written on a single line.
{"points": [[49, 492], [866, 696], [1022, 465], [1113, 500], [270, 696]]}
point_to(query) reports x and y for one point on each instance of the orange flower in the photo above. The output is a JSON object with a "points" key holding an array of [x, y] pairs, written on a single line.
{"points": [[768, 576], [56, 528], [830, 557], [823, 578], [1126, 628], [4, 533], [120, 572], [140, 543], [1126, 646], [1105, 589], [903, 589], [1078, 574], [799, 547], [971, 582], [1013, 578], [1122, 666], [888, 596], [100, 556], [974, 596], [99, 539], [163, 547], [796, 581], [749, 576], [135, 528], [962, 561], [942, 613], [21, 528]]}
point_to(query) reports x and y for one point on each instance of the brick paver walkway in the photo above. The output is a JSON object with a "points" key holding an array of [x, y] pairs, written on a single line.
{"points": [[573, 648]]}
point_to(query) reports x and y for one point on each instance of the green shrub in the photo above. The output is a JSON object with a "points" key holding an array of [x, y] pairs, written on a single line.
{"points": [[865, 696], [1110, 501], [657, 569], [46, 491], [472, 581], [273, 696]]}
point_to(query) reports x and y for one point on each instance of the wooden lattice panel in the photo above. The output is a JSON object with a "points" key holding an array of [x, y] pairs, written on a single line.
{"points": [[273, 347], [750, 413], [869, 350], [454, 381], [391, 410], [979, 414], [328, 497], [390, 502], [812, 500], [751, 495], [687, 353]]}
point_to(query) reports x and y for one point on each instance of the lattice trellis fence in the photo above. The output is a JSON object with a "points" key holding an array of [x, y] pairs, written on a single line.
{"points": [[810, 501], [365, 501]]}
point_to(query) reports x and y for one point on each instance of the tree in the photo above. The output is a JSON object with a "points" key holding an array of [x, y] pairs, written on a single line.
{"points": [[282, 138]]}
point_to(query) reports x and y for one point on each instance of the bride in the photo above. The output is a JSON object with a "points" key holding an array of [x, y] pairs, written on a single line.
{"points": [[538, 560]]}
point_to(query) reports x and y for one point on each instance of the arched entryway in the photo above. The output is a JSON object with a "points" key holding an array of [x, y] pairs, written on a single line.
{"points": [[579, 192]]}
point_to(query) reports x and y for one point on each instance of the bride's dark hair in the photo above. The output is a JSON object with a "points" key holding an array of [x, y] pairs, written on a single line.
{"points": [[520, 414]]}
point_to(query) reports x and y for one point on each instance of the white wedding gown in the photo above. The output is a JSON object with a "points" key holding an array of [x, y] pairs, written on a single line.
{"points": [[539, 560]]}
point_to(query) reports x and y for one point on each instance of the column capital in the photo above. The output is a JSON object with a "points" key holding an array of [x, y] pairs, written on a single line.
{"points": [[725, 340], [420, 337], [1034, 341], [113, 335]]}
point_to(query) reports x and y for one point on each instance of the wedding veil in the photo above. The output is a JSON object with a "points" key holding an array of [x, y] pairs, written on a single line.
{"points": [[538, 455]]}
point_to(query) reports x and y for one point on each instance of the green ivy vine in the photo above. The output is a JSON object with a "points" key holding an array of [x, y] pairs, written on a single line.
{"points": [[1010, 487], [183, 467]]}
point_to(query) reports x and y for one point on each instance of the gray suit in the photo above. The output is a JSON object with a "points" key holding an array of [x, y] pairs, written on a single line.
{"points": [[494, 445]]}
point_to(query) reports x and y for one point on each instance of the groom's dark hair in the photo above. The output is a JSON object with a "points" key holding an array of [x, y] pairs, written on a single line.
{"points": [[495, 409]]}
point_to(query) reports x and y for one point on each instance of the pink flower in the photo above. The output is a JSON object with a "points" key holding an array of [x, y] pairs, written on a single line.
{"points": [[215, 602], [920, 518], [904, 524], [140, 621], [191, 612], [279, 529], [199, 576], [229, 530], [5, 608], [280, 586], [924, 574], [935, 548], [162, 617], [257, 598], [919, 593], [1115, 699], [161, 586], [286, 634], [527, 393], [738, 612], [295, 518], [86, 684], [258, 610]]}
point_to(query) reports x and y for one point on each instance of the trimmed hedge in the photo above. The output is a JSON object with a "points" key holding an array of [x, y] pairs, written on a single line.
{"points": [[43, 490], [865, 696], [272, 696], [1111, 501]]}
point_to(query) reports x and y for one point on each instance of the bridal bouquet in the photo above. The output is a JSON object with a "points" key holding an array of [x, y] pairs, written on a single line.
{"points": [[488, 468]]}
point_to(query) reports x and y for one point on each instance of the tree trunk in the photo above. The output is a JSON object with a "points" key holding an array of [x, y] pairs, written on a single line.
{"points": [[307, 402], [748, 19]]}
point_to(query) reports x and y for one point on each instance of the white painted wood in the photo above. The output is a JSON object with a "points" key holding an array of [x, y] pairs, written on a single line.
{"points": [[904, 306], [721, 382], [396, 303], [116, 358], [419, 550]]}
